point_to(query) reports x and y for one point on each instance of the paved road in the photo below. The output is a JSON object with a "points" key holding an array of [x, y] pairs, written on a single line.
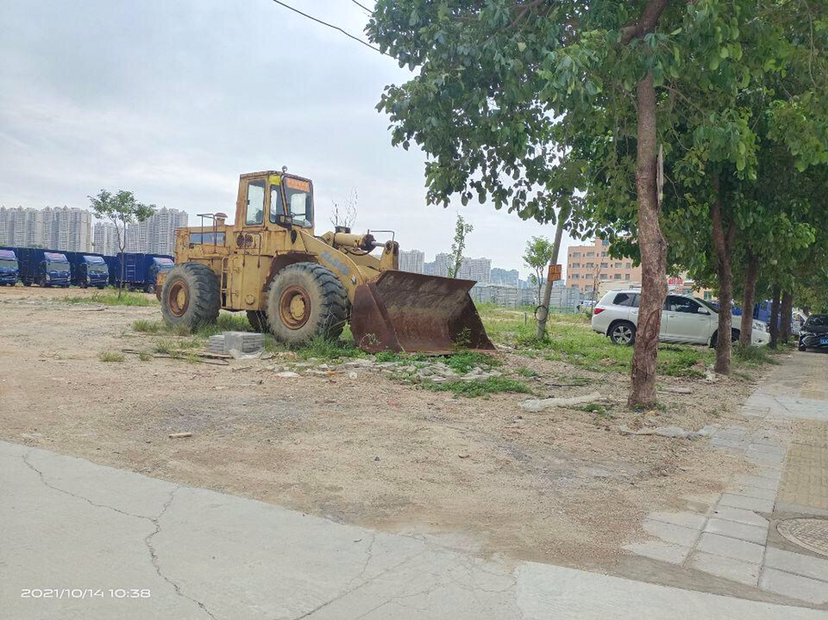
{"points": [[83, 541]]}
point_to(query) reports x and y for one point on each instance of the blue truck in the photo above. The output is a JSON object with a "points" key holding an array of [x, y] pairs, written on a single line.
{"points": [[140, 271], [88, 269], [43, 267], [9, 269]]}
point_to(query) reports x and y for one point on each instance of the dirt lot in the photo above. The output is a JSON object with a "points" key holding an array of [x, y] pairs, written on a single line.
{"points": [[562, 486]]}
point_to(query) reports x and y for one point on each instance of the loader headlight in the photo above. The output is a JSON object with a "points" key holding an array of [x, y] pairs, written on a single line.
{"points": [[760, 326], [48, 277]]}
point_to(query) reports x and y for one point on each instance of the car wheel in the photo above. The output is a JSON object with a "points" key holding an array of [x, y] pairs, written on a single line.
{"points": [[802, 347], [623, 333]]}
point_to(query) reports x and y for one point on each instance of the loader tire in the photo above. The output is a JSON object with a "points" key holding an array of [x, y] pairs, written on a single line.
{"points": [[190, 296], [306, 300], [258, 320]]}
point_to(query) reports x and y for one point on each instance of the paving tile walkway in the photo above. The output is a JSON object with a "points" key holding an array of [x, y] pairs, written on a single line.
{"points": [[736, 539]]}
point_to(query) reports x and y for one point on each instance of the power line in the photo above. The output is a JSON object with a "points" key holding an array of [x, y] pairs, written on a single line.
{"points": [[324, 23], [362, 6]]}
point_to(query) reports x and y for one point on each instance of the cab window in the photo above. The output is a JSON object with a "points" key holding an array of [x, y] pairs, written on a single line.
{"points": [[277, 208], [255, 203], [682, 304]]}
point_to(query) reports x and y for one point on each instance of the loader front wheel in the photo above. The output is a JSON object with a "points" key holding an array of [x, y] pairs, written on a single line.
{"points": [[190, 296], [306, 300], [258, 320]]}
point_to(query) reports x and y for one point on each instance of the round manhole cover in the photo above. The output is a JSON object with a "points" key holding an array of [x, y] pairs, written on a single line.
{"points": [[809, 533]]}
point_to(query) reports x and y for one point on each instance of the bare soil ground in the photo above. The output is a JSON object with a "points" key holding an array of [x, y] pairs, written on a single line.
{"points": [[561, 486]]}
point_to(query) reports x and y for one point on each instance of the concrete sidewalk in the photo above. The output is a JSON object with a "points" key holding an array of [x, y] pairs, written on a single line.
{"points": [[84, 541]]}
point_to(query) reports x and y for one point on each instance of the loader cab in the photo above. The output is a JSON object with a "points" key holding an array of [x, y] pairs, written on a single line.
{"points": [[269, 200]]}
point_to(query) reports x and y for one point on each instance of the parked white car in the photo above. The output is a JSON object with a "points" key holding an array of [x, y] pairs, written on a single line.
{"points": [[683, 319]]}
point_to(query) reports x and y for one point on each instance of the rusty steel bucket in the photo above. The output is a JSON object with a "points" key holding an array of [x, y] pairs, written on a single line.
{"points": [[411, 312]]}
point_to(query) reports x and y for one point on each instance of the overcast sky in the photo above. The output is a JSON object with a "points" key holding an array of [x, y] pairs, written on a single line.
{"points": [[174, 99]]}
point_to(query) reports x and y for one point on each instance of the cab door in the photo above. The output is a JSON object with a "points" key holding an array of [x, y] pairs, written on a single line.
{"points": [[242, 265], [687, 320]]}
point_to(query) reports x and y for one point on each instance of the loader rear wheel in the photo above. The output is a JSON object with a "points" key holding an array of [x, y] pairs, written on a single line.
{"points": [[258, 320], [306, 300], [190, 296]]}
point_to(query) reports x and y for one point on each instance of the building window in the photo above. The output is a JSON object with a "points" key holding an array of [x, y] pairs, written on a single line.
{"points": [[590, 254], [603, 276], [590, 265], [626, 276], [603, 254], [617, 276], [575, 276], [576, 265], [629, 265], [605, 243], [604, 265], [576, 255], [618, 265], [589, 276]]}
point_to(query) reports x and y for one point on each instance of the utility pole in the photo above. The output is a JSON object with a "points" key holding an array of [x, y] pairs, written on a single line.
{"points": [[543, 310]]}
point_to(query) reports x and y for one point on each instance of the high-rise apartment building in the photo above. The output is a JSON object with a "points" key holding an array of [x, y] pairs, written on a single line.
{"points": [[592, 269], [58, 228], [105, 239], [412, 260], [156, 234], [504, 277]]}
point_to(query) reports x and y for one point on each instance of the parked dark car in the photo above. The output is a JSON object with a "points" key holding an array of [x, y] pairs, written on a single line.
{"points": [[814, 333]]}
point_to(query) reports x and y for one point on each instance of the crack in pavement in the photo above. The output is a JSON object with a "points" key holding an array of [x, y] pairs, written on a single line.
{"points": [[147, 540], [362, 585]]}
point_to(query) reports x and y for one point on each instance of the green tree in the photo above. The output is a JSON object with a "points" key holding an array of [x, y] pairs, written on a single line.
{"points": [[461, 229], [122, 210], [538, 255], [542, 106]]}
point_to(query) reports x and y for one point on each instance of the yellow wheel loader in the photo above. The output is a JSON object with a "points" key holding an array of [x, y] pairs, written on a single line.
{"points": [[297, 285]]}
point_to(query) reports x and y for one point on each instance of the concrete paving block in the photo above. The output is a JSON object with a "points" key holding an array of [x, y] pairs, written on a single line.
{"points": [[771, 473], [739, 515], [731, 548], [751, 491], [727, 568], [668, 532], [761, 458], [661, 551], [766, 449], [757, 481], [798, 563], [750, 533], [733, 500], [794, 586], [692, 520]]}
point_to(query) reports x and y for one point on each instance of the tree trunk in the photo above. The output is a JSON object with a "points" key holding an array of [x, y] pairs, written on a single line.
{"points": [[123, 271], [653, 250], [722, 244], [774, 319], [563, 216], [786, 309], [746, 333]]}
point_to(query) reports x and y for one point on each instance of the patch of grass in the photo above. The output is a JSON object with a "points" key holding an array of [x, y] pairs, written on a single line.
{"points": [[463, 362], [681, 363], [110, 356], [526, 372], [144, 356], [176, 347], [752, 356], [149, 327], [472, 389], [111, 299], [324, 348]]}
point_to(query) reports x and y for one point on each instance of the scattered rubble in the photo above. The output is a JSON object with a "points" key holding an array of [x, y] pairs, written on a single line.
{"points": [[672, 432], [549, 403]]}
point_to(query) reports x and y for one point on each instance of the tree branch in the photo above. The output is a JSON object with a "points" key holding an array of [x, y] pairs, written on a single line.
{"points": [[647, 22]]}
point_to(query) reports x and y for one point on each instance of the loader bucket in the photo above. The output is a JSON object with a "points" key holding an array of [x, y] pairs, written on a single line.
{"points": [[411, 312]]}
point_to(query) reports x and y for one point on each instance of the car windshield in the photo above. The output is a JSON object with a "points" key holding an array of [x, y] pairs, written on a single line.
{"points": [[7, 262], [56, 266], [817, 320], [96, 268], [164, 264]]}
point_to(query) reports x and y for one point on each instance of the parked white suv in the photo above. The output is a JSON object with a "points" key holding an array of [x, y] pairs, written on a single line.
{"points": [[683, 319]]}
